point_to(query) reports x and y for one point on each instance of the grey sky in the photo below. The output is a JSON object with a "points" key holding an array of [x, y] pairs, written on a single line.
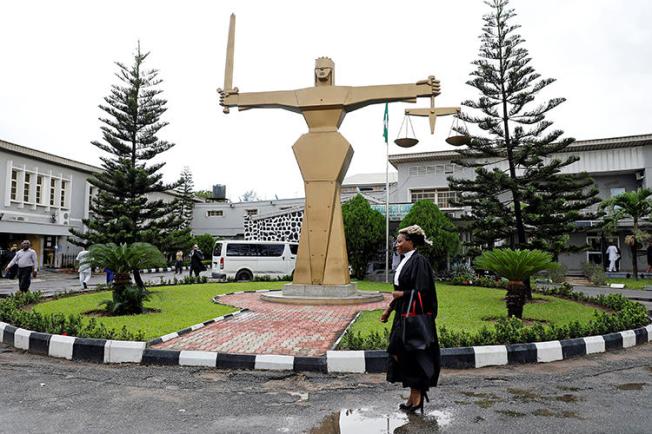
{"points": [[57, 65]]}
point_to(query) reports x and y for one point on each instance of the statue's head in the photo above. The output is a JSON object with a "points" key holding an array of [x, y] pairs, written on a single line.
{"points": [[324, 72]]}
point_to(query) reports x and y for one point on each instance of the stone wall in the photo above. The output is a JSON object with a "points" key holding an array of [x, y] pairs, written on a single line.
{"points": [[285, 227]]}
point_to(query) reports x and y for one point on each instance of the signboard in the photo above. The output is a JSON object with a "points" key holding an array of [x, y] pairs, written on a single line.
{"points": [[396, 210]]}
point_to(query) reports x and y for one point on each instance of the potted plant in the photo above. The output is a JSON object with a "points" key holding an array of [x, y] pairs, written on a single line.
{"points": [[122, 260], [516, 266]]}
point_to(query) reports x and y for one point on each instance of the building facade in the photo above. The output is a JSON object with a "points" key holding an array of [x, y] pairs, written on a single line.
{"points": [[616, 165], [41, 196]]}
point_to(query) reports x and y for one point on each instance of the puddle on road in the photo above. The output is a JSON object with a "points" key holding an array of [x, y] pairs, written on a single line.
{"points": [[366, 420]]}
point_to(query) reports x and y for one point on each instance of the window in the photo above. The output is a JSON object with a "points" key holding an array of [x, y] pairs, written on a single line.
{"points": [[14, 184], [215, 213], [294, 248], [442, 196], [39, 189], [53, 189], [266, 250], [616, 191], [252, 212], [217, 251], [64, 184], [439, 169], [26, 187], [595, 244]]}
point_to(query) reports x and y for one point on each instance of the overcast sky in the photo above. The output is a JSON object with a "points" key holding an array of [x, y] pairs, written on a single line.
{"points": [[57, 63]]}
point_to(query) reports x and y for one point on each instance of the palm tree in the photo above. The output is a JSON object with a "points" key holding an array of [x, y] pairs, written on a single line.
{"points": [[516, 266], [631, 204], [122, 260]]}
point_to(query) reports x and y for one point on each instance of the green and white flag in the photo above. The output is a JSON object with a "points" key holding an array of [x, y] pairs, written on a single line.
{"points": [[386, 123]]}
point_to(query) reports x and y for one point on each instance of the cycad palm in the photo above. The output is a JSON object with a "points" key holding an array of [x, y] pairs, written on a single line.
{"points": [[122, 260], [516, 266], [631, 204]]}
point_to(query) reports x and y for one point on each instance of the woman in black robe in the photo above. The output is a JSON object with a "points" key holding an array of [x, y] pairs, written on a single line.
{"points": [[416, 369]]}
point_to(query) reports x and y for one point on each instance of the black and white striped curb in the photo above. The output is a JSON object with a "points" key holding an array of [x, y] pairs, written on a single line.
{"points": [[161, 270], [110, 351], [181, 332]]}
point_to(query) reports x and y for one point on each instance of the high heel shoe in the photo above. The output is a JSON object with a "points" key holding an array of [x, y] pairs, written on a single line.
{"points": [[414, 408], [402, 406]]}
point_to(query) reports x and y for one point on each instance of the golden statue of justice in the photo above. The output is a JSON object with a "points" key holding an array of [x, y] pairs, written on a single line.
{"points": [[323, 155]]}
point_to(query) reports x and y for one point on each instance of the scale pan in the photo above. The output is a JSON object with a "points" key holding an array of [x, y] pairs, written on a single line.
{"points": [[458, 140], [406, 142]]}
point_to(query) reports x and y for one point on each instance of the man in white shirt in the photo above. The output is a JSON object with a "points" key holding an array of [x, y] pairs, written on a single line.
{"points": [[27, 265], [84, 268], [612, 254]]}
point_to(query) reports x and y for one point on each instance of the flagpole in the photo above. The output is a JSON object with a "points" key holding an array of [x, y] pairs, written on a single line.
{"points": [[387, 215], [386, 135]]}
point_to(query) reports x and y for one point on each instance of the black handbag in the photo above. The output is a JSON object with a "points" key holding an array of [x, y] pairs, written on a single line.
{"points": [[418, 330]]}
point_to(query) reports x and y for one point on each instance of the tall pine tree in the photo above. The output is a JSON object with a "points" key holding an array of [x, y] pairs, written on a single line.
{"points": [[519, 192], [128, 207], [186, 197]]}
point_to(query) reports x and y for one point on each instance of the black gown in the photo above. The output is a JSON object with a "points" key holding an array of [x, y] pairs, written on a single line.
{"points": [[416, 369]]}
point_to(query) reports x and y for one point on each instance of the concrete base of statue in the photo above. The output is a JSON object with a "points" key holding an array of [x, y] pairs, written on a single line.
{"points": [[322, 295]]}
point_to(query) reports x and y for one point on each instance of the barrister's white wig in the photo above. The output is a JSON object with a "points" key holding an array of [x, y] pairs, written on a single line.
{"points": [[415, 234]]}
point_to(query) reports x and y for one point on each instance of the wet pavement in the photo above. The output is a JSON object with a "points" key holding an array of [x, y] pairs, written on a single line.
{"points": [[605, 393], [55, 282]]}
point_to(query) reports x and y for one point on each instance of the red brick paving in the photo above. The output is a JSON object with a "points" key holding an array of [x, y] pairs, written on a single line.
{"points": [[272, 328]]}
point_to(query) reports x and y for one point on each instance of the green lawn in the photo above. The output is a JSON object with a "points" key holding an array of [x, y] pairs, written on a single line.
{"points": [[464, 307], [180, 306], [460, 307], [631, 283]]}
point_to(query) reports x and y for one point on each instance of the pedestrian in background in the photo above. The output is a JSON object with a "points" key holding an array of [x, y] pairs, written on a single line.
{"points": [[178, 264], [85, 269], [13, 270], [27, 263], [196, 258], [414, 356]]}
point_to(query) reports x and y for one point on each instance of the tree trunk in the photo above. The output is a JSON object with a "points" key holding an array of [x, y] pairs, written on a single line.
{"points": [[138, 280], [515, 298]]}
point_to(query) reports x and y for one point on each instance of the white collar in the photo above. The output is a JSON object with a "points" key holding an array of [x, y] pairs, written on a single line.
{"points": [[408, 254]]}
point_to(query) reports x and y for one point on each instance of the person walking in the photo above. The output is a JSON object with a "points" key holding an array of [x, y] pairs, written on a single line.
{"points": [[178, 264], [196, 256], [612, 254], [13, 270], [85, 269], [27, 264], [414, 295]]}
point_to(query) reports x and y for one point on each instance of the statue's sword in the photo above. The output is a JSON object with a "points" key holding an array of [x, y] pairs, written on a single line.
{"points": [[228, 68]]}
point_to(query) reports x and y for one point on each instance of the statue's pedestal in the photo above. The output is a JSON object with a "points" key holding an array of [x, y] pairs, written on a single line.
{"points": [[322, 295]]}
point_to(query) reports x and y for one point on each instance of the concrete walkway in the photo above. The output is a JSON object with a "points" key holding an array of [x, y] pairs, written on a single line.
{"points": [[54, 282]]}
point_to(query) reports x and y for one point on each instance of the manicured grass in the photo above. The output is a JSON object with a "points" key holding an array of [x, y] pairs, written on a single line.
{"points": [[460, 307], [631, 283], [464, 307], [180, 306]]}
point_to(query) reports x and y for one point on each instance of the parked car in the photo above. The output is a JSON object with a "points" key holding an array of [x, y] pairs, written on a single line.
{"points": [[246, 260]]}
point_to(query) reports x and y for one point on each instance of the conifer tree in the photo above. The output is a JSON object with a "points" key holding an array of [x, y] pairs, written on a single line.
{"points": [[518, 192], [186, 198], [126, 209]]}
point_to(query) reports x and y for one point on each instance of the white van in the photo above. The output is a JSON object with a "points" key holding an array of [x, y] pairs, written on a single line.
{"points": [[245, 260]]}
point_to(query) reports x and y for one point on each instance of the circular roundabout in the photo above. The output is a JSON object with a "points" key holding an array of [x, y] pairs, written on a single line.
{"points": [[251, 333]]}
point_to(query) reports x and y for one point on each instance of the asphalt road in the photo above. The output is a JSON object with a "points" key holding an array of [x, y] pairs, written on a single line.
{"points": [[606, 393]]}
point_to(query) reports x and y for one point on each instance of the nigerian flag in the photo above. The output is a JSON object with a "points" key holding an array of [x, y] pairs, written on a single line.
{"points": [[386, 123]]}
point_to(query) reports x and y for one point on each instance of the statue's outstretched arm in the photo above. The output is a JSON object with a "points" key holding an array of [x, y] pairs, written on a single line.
{"points": [[284, 99], [366, 95]]}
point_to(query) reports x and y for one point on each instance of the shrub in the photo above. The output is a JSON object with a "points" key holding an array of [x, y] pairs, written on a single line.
{"points": [[557, 274], [595, 273], [11, 312], [627, 315]]}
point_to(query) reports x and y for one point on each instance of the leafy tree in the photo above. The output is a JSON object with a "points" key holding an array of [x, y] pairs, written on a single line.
{"points": [[249, 196], [631, 204], [438, 228], [205, 243], [204, 194], [518, 190], [517, 266], [125, 209], [364, 229], [122, 259]]}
